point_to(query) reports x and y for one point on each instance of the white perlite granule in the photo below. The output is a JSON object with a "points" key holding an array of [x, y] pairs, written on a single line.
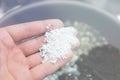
{"points": [[58, 44], [89, 39]]}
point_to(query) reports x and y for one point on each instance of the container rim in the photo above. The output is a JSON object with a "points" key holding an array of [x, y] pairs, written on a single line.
{"points": [[75, 3]]}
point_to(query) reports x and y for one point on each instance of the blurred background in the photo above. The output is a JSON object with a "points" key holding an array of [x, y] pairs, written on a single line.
{"points": [[111, 6]]}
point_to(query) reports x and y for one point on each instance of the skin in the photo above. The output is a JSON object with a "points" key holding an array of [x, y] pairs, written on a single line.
{"points": [[19, 60]]}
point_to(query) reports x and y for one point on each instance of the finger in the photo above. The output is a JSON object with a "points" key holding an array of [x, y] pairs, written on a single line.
{"points": [[41, 71], [34, 60], [25, 30], [32, 46]]}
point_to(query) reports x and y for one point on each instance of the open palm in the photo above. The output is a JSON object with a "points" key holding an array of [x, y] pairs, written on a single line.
{"points": [[19, 60]]}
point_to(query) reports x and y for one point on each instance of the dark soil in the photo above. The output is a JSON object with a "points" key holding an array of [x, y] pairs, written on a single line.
{"points": [[102, 63]]}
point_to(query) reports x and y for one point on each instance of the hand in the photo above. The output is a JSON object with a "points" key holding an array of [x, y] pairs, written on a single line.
{"points": [[20, 60]]}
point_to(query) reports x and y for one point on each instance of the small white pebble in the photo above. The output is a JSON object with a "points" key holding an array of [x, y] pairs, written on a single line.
{"points": [[89, 75], [47, 27], [91, 78]]}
